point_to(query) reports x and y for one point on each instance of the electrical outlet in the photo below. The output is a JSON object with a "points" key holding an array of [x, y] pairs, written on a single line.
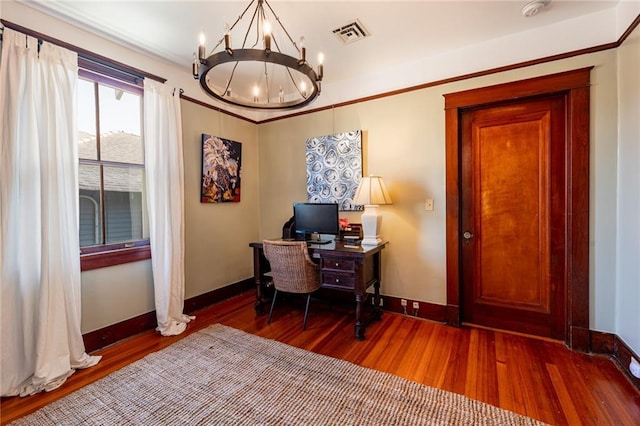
{"points": [[428, 204], [416, 305], [403, 303], [381, 303], [634, 367]]}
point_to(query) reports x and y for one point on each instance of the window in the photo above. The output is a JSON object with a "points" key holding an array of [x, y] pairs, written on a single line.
{"points": [[112, 203]]}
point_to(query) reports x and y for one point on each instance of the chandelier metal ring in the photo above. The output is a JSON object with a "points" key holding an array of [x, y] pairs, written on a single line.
{"points": [[258, 55]]}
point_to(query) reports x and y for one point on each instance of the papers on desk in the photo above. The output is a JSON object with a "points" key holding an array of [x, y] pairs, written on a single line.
{"points": [[351, 241]]}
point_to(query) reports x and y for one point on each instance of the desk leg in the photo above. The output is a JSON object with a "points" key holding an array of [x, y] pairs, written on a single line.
{"points": [[257, 277], [259, 305], [377, 312], [360, 328]]}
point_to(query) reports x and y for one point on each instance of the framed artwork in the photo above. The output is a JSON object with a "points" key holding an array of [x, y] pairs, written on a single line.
{"points": [[221, 166], [334, 168]]}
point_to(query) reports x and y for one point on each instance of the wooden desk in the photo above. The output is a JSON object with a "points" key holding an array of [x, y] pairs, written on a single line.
{"points": [[341, 268]]}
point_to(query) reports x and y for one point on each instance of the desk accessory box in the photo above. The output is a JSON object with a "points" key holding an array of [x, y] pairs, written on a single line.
{"points": [[351, 232]]}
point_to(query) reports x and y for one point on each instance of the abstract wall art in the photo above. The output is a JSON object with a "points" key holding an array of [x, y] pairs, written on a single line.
{"points": [[221, 166], [334, 168]]}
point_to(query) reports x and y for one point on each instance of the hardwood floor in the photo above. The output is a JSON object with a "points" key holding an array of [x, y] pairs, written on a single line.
{"points": [[538, 378]]}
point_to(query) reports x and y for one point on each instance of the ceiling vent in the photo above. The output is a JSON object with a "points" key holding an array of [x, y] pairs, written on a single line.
{"points": [[351, 32]]}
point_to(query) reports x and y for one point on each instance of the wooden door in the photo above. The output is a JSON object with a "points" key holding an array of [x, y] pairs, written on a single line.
{"points": [[520, 310], [513, 216]]}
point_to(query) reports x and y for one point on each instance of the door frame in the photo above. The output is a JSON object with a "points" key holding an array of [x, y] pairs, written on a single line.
{"points": [[575, 86]]}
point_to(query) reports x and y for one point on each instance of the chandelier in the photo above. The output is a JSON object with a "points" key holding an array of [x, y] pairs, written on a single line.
{"points": [[269, 71]]}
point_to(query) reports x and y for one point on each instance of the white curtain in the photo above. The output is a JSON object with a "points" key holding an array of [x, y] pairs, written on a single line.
{"points": [[165, 200], [39, 248]]}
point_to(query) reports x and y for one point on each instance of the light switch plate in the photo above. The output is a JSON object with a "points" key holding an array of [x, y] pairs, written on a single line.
{"points": [[428, 205]]}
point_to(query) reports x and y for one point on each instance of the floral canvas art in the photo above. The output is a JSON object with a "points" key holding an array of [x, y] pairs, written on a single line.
{"points": [[221, 166], [334, 168]]}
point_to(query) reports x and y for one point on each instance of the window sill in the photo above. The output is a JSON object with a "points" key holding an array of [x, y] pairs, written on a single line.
{"points": [[103, 259]]}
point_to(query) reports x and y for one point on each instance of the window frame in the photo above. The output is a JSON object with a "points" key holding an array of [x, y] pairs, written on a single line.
{"points": [[103, 255], [100, 66]]}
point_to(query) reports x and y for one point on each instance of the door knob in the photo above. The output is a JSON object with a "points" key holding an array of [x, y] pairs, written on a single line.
{"points": [[467, 235]]}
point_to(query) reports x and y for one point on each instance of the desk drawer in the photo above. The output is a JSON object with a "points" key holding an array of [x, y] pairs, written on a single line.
{"points": [[337, 264], [338, 280]]}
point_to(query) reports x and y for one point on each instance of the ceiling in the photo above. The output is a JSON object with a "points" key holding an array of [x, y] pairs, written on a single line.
{"points": [[410, 42]]}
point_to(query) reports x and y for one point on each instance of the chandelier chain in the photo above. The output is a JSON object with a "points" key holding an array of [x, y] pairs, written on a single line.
{"points": [[294, 81], [282, 26], [246, 36], [232, 27], [266, 80], [233, 71]]}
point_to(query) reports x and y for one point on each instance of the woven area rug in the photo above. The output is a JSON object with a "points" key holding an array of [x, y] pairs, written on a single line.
{"points": [[224, 376]]}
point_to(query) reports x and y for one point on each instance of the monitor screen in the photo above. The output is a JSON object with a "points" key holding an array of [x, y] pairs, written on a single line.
{"points": [[321, 218]]}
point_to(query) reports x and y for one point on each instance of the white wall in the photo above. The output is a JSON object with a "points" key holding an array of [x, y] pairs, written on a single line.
{"points": [[176, 76], [627, 284]]}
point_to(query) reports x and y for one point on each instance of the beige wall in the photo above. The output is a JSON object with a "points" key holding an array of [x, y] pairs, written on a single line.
{"points": [[114, 294], [405, 144], [217, 235], [627, 321]]}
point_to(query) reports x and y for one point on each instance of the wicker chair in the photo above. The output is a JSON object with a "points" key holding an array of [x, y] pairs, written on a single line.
{"points": [[292, 269]]}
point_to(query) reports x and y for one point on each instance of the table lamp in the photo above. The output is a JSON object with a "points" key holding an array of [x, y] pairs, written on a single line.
{"points": [[371, 193]]}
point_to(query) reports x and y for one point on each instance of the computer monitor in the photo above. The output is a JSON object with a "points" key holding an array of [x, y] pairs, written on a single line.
{"points": [[313, 219]]}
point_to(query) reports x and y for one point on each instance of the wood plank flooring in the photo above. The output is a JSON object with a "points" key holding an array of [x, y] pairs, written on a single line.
{"points": [[538, 378]]}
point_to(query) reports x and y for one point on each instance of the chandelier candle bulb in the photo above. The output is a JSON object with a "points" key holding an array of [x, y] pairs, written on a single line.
{"points": [[227, 44], [303, 52], [227, 39], [196, 66], [267, 36], [320, 65], [303, 56], [201, 49], [267, 43]]}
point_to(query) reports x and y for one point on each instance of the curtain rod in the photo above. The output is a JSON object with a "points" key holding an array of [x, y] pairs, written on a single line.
{"points": [[83, 53]]}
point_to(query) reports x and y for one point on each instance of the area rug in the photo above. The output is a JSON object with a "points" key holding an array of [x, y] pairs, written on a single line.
{"points": [[224, 376]]}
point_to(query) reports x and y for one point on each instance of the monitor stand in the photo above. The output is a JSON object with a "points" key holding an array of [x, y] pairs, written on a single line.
{"points": [[321, 242], [315, 239]]}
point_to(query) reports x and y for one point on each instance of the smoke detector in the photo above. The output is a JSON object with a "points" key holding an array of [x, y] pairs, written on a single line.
{"points": [[533, 7]]}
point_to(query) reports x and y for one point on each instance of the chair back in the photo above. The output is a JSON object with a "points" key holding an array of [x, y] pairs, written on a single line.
{"points": [[292, 268]]}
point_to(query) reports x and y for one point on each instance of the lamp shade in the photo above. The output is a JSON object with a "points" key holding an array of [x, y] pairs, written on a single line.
{"points": [[371, 192]]}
